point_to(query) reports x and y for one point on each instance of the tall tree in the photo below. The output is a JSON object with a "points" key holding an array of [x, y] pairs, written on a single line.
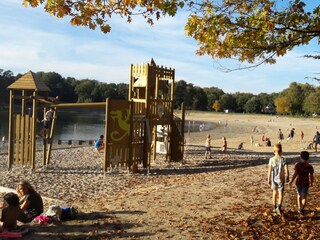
{"points": [[213, 94], [216, 106], [252, 105], [200, 100], [312, 103], [179, 93], [294, 94], [282, 105], [6, 78], [85, 89], [252, 31], [228, 102], [241, 100]]}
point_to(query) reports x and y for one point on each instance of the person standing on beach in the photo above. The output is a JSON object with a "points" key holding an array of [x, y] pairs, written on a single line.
{"points": [[280, 135], [316, 140], [304, 174], [291, 134], [251, 140], [224, 145], [208, 147], [301, 136], [278, 173]]}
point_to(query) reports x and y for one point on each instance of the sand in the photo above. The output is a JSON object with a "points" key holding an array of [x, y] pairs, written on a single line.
{"points": [[225, 197]]}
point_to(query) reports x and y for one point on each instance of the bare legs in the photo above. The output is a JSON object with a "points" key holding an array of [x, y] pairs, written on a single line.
{"points": [[301, 201], [276, 194]]}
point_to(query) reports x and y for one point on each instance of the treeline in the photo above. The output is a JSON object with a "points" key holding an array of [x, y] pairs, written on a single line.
{"points": [[297, 99], [68, 89]]}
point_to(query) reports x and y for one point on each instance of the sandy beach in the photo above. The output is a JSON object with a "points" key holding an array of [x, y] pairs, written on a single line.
{"points": [[225, 197]]}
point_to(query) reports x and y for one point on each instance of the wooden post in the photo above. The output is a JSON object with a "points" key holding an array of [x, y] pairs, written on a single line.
{"points": [[147, 146], [34, 128], [22, 160], [10, 133], [130, 94], [44, 140], [154, 127], [131, 111], [183, 118], [17, 136], [106, 144], [50, 140]]}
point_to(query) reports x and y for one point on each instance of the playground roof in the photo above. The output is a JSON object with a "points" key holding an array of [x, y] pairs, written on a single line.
{"points": [[29, 82]]}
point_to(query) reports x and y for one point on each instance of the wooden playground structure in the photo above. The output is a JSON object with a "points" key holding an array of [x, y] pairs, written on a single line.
{"points": [[135, 129]]}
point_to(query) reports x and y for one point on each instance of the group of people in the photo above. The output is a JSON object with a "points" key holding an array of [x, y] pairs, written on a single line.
{"points": [[278, 176], [208, 146], [22, 206]]}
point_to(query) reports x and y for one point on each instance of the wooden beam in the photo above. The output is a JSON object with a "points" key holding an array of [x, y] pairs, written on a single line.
{"points": [[84, 105]]}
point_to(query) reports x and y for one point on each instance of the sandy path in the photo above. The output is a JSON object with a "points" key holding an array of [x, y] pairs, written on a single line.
{"points": [[199, 199]]}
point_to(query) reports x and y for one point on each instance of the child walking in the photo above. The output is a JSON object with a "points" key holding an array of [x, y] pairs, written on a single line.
{"points": [[278, 173], [303, 171], [224, 145], [208, 147]]}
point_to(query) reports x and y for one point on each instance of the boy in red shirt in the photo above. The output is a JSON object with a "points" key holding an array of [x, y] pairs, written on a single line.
{"points": [[304, 174]]}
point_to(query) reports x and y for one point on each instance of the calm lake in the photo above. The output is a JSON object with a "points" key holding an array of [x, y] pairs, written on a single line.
{"points": [[83, 124]]}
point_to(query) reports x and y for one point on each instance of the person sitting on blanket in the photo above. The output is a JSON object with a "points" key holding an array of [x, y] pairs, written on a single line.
{"points": [[31, 203]]}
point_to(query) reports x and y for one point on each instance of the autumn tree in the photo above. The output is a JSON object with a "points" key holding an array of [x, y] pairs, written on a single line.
{"points": [[312, 103], [213, 94], [250, 31], [282, 104], [216, 106]]}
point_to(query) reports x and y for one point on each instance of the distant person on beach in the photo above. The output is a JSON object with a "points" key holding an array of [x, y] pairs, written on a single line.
{"points": [[316, 140], [251, 140], [99, 144], [262, 137], [278, 173], [309, 146], [291, 134], [10, 211], [268, 142], [224, 145], [208, 147], [303, 172], [47, 122], [280, 135], [301, 136], [31, 202]]}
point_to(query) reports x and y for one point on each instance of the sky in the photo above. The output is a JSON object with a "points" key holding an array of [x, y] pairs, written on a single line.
{"points": [[31, 39]]}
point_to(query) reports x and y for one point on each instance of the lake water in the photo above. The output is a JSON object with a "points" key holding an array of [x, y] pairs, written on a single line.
{"points": [[84, 124]]}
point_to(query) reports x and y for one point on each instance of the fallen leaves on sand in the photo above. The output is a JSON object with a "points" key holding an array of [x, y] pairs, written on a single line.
{"points": [[261, 223]]}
